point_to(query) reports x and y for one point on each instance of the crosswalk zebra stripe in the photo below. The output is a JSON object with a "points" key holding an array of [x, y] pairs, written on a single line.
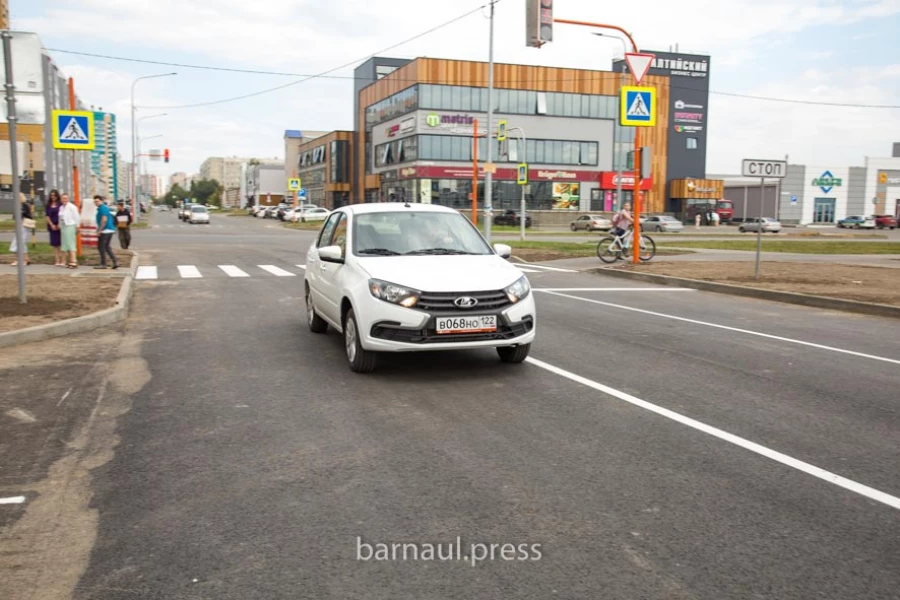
{"points": [[189, 272], [146, 273], [529, 270], [278, 271], [233, 271], [532, 265]]}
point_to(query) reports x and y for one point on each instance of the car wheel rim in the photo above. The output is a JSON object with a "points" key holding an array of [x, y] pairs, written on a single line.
{"points": [[350, 339], [310, 311]]}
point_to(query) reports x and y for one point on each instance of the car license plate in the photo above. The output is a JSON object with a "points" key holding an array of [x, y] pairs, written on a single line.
{"points": [[474, 324]]}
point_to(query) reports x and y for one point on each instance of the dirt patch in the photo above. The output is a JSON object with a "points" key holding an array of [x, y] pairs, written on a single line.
{"points": [[53, 298], [880, 285]]}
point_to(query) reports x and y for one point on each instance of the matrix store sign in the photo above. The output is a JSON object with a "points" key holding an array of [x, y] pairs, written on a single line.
{"points": [[436, 120], [826, 181]]}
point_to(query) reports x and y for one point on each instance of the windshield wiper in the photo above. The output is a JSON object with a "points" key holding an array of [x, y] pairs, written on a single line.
{"points": [[438, 251], [378, 251]]}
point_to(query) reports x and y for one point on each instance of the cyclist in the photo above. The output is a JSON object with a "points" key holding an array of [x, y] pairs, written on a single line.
{"points": [[622, 221]]}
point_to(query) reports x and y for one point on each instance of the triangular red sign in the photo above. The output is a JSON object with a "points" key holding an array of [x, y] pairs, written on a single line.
{"points": [[639, 64]]}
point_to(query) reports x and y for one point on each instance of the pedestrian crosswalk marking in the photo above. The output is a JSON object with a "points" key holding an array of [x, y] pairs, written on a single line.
{"points": [[301, 267], [189, 271], [277, 271], [545, 267], [233, 271], [529, 270], [146, 273], [73, 132]]}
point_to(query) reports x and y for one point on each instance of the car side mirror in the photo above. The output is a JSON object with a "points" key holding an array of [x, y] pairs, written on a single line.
{"points": [[332, 254], [503, 250]]}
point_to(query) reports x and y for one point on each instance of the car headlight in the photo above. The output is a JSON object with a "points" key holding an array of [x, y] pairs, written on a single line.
{"points": [[393, 293], [518, 290]]}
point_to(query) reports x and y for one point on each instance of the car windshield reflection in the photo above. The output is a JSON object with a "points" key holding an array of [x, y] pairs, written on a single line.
{"points": [[416, 233]]}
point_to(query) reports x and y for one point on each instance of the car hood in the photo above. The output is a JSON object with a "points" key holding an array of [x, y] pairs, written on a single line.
{"points": [[453, 273]]}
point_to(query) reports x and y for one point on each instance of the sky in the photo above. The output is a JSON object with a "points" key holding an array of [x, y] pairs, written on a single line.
{"points": [[803, 50]]}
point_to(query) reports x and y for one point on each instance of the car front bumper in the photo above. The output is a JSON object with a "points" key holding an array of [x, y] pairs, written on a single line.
{"points": [[391, 328]]}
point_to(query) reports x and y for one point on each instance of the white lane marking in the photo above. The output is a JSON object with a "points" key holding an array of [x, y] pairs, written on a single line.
{"points": [[12, 500], [301, 267], [529, 270], [233, 271], [736, 329], [189, 271], [276, 271], [66, 395], [615, 289], [784, 459], [530, 265], [146, 273]]}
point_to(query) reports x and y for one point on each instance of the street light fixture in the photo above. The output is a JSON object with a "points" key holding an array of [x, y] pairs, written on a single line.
{"points": [[134, 137]]}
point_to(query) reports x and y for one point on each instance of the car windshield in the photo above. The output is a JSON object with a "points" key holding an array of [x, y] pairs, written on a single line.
{"points": [[414, 232], [198, 209]]}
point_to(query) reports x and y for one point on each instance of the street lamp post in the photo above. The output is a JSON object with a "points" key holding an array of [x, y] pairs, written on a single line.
{"points": [[134, 136], [140, 188]]}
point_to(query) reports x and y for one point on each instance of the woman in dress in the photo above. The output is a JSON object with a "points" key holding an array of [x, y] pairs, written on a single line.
{"points": [[68, 221], [53, 228]]}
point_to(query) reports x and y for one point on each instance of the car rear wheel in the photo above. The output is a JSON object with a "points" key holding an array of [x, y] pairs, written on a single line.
{"points": [[742, 230], [316, 323], [514, 354], [360, 359], [572, 227]]}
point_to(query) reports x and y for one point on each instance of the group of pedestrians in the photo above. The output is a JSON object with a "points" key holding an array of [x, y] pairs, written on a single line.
{"points": [[63, 218]]}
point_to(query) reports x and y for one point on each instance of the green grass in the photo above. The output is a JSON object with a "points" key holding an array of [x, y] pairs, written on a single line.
{"points": [[812, 247], [7, 225], [39, 248], [310, 226], [575, 249]]}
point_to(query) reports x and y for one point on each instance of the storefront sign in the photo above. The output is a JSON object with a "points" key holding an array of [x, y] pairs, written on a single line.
{"points": [[688, 117], [826, 181], [389, 175], [884, 179], [681, 105], [688, 128], [312, 157], [448, 120], [407, 125], [408, 172], [610, 181], [550, 175], [392, 130], [693, 187], [506, 174], [682, 67]]}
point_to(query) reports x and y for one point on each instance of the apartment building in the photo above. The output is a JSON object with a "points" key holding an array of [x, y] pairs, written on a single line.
{"points": [[227, 170]]}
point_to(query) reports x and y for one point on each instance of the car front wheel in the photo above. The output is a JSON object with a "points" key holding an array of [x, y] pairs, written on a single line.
{"points": [[360, 359], [316, 323], [514, 354]]}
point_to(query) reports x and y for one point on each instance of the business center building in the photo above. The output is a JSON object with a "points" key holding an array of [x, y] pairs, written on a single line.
{"points": [[414, 125]]}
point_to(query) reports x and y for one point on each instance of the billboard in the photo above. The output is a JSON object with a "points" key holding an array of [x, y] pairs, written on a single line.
{"points": [[28, 78]]}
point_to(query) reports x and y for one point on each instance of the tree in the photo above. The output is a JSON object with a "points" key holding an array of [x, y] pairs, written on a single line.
{"points": [[175, 195], [205, 191]]}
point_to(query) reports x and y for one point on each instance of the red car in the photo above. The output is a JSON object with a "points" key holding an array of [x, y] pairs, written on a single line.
{"points": [[882, 221]]}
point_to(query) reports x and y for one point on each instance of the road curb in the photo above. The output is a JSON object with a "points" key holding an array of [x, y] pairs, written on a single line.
{"points": [[80, 324], [865, 308]]}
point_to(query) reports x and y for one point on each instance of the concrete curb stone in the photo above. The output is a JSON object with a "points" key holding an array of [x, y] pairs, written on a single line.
{"points": [[78, 324]]}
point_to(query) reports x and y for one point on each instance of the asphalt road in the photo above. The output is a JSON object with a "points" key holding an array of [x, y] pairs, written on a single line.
{"points": [[659, 443]]}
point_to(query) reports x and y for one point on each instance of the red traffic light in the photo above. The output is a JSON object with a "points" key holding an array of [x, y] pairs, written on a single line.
{"points": [[166, 154]]}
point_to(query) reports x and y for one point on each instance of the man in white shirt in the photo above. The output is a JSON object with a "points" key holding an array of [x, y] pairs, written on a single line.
{"points": [[69, 218]]}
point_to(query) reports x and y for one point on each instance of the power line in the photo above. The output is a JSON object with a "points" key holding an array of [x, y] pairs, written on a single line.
{"points": [[323, 73], [475, 83]]}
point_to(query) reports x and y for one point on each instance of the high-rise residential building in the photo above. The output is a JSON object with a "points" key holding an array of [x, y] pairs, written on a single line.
{"points": [[104, 165], [227, 171], [181, 179], [123, 168]]}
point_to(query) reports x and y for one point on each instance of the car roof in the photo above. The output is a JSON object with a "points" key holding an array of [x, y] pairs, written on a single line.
{"points": [[387, 207]]}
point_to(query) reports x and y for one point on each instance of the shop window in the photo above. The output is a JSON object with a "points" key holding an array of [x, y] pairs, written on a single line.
{"points": [[691, 143], [542, 103], [425, 92]]}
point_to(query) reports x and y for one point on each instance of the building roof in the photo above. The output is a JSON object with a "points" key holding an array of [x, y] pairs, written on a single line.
{"points": [[293, 133]]}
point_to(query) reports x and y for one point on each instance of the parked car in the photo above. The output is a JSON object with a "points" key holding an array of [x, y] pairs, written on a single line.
{"points": [[857, 222], [661, 223], [395, 277], [270, 212], [511, 217], [199, 214], [591, 223], [162, 208], [753, 224], [294, 215], [882, 221], [314, 214]]}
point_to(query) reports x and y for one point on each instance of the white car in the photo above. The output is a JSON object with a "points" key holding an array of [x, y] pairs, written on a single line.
{"points": [[199, 214], [753, 224], [406, 278], [661, 223], [312, 214]]}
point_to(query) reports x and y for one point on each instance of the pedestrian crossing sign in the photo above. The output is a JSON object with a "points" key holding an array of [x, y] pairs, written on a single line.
{"points": [[294, 184], [638, 106], [73, 130]]}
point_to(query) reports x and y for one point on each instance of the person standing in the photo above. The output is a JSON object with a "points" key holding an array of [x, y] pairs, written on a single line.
{"points": [[123, 225], [27, 227], [52, 212], [105, 231], [68, 224]]}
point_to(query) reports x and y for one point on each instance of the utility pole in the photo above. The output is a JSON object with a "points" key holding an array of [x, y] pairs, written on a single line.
{"points": [[488, 176], [14, 162]]}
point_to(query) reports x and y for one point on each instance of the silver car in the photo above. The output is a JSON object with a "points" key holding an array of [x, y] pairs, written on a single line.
{"points": [[591, 223], [769, 225], [662, 223]]}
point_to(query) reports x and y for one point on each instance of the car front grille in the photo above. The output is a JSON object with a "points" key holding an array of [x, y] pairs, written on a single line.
{"points": [[442, 302], [385, 331]]}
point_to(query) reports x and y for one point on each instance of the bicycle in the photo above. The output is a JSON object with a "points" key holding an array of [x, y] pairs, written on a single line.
{"points": [[616, 247]]}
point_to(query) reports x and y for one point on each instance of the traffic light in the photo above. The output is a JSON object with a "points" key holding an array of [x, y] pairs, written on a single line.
{"points": [[166, 154]]}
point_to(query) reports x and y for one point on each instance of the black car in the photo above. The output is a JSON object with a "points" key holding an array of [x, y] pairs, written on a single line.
{"points": [[511, 217]]}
